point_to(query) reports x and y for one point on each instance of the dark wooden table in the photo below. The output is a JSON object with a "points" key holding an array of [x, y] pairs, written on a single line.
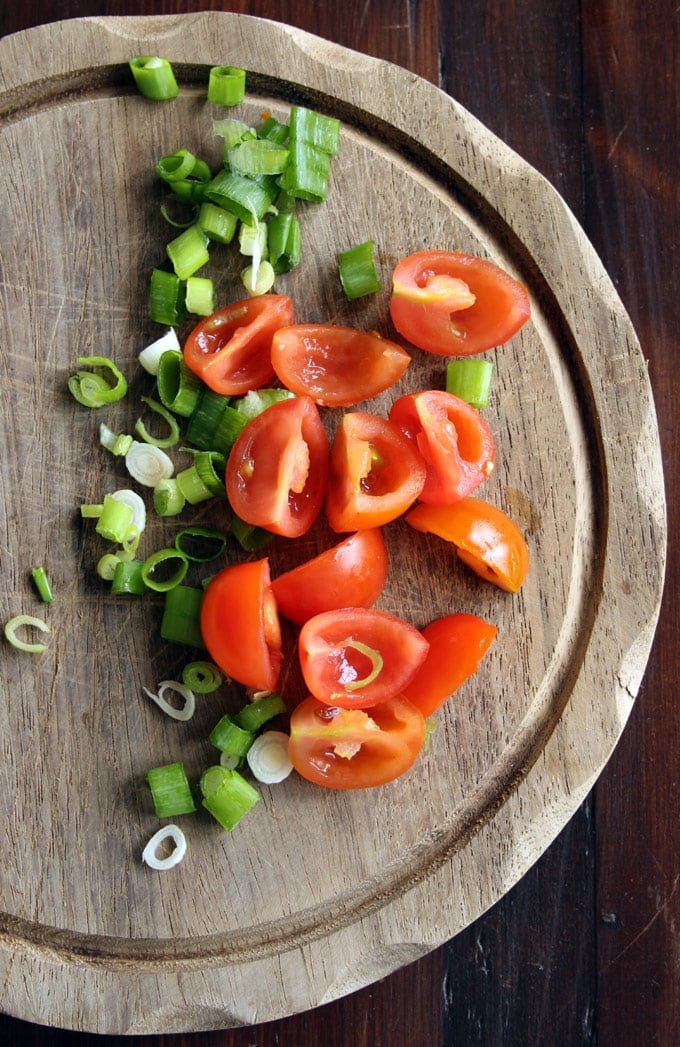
{"points": [[586, 948]]}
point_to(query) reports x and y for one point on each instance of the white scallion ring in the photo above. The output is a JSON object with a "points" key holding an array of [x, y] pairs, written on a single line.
{"points": [[186, 711], [178, 838], [268, 757]]}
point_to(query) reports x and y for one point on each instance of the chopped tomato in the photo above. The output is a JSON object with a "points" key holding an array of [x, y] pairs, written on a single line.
{"points": [[458, 642], [375, 473], [352, 749], [356, 657], [486, 539], [240, 624], [336, 366], [352, 573], [452, 437], [455, 304], [231, 349], [277, 468]]}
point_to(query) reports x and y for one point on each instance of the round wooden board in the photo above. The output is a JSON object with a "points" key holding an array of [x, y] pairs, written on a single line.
{"points": [[315, 893]]}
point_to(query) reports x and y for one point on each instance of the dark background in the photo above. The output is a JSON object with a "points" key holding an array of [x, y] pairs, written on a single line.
{"points": [[586, 948]]}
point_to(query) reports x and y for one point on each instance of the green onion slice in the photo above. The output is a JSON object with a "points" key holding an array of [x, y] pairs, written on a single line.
{"points": [[260, 711], [42, 584], [203, 479], [170, 790], [150, 356], [181, 620], [314, 128], [166, 441], [148, 464], [168, 500], [20, 621], [227, 795], [94, 389], [217, 223], [179, 389], [127, 579], [357, 271], [229, 738], [188, 252], [115, 519], [226, 85], [200, 296], [150, 852], [164, 569], [167, 298], [249, 536], [470, 380], [202, 677], [201, 544], [154, 77], [188, 707]]}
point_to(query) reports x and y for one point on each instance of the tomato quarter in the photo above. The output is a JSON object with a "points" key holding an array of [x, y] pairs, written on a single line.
{"points": [[486, 539], [240, 624], [352, 749], [456, 304], [458, 642], [452, 437], [375, 473], [352, 573], [357, 656], [336, 366], [277, 468], [231, 349]]}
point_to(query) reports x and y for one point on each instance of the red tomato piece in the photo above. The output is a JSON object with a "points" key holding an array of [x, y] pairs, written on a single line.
{"points": [[458, 642], [240, 624], [352, 573], [352, 749], [336, 366], [375, 473], [356, 657], [231, 349], [456, 304], [277, 468], [452, 437], [486, 539]]}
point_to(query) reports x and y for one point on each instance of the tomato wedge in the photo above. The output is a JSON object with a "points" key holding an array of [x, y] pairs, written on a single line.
{"points": [[375, 473], [458, 642], [356, 657], [231, 349], [336, 366], [352, 749], [452, 437], [277, 468], [456, 304], [352, 573], [240, 624], [486, 539]]}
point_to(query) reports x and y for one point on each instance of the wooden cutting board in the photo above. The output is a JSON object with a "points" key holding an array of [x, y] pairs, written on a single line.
{"points": [[315, 893]]}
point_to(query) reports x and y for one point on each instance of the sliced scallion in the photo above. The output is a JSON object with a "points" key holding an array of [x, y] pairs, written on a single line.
{"points": [[229, 426], [21, 621], [248, 199], [226, 85], [164, 569], [470, 380], [202, 677], [314, 128], [136, 503], [168, 500], [179, 389], [249, 536], [257, 156], [203, 479], [167, 303], [170, 790], [106, 566], [94, 389], [227, 795], [148, 465], [201, 544], [127, 579], [115, 520], [42, 584], [268, 757], [205, 419], [188, 252], [229, 738], [357, 271], [259, 712], [183, 712], [273, 130], [232, 131], [258, 279], [180, 622], [154, 77], [256, 401], [166, 441], [179, 848], [151, 355], [306, 175], [117, 443], [200, 296], [284, 242], [217, 223]]}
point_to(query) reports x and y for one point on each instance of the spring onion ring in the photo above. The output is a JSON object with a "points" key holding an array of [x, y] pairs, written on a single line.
{"points": [[17, 622], [149, 854], [186, 711]]}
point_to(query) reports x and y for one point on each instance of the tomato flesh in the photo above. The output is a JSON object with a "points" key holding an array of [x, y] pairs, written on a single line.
{"points": [[355, 657], [487, 540], [455, 304], [352, 573], [458, 642], [240, 625], [375, 473], [351, 749], [336, 366], [452, 437], [277, 468], [231, 349]]}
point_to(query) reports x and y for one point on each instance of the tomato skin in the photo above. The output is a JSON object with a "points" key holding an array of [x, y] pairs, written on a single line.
{"points": [[336, 669], [387, 740], [231, 349], [430, 309], [452, 437], [277, 468], [336, 366], [240, 625], [375, 473], [458, 642], [351, 573], [486, 539]]}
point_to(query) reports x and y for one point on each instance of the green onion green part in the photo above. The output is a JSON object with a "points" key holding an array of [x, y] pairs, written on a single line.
{"points": [[115, 519], [127, 579], [200, 544], [94, 389], [204, 479], [228, 428], [42, 584], [200, 296], [470, 380], [205, 419], [227, 795], [314, 128], [284, 242], [180, 622], [167, 441], [259, 712], [257, 156], [273, 130], [217, 223], [167, 303], [170, 790], [164, 569], [188, 252], [168, 500], [154, 77], [248, 536], [30, 621], [306, 175], [226, 85], [202, 677], [357, 271], [229, 738], [248, 199], [179, 389]]}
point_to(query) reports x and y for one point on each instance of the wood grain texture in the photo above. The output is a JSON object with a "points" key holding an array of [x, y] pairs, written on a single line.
{"points": [[484, 1015]]}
